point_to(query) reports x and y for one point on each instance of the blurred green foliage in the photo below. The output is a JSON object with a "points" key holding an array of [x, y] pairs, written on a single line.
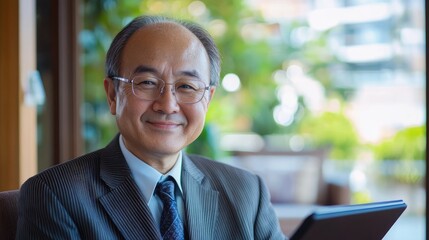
{"points": [[406, 144], [333, 131], [405, 153]]}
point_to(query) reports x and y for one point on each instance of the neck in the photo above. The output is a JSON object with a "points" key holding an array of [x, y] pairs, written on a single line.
{"points": [[162, 163]]}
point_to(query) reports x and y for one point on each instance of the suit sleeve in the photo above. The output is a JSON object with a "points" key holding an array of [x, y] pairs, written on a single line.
{"points": [[266, 223], [42, 215]]}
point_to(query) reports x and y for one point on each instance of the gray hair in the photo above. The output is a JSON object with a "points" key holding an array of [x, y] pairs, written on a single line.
{"points": [[115, 51]]}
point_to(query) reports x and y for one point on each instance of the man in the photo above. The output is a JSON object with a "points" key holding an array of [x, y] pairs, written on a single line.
{"points": [[161, 76]]}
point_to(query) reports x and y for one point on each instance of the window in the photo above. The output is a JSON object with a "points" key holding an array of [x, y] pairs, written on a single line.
{"points": [[348, 76]]}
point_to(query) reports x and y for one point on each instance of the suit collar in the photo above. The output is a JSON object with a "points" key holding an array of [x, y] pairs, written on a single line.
{"points": [[113, 167], [201, 202], [124, 203], [190, 168]]}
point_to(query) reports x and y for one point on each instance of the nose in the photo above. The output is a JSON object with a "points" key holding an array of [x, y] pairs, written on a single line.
{"points": [[166, 102]]}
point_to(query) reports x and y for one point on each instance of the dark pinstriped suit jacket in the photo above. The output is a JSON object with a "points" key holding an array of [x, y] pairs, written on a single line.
{"points": [[95, 197]]}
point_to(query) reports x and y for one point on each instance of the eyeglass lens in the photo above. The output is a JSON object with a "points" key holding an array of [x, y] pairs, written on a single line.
{"points": [[185, 91]]}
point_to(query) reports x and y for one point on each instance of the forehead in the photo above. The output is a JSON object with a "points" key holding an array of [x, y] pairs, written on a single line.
{"points": [[164, 45]]}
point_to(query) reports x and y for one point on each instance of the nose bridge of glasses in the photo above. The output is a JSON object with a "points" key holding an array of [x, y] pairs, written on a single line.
{"points": [[162, 90], [164, 85]]}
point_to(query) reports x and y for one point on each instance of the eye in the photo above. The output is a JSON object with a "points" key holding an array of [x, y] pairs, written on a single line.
{"points": [[146, 82], [187, 86]]}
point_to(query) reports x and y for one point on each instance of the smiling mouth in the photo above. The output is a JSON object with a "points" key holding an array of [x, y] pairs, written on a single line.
{"points": [[164, 125]]}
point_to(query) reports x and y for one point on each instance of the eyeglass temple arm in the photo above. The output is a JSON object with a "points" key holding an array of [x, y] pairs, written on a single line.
{"points": [[121, 79]]}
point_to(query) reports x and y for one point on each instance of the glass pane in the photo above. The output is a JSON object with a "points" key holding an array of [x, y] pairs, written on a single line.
{"points": [[344, 80]]}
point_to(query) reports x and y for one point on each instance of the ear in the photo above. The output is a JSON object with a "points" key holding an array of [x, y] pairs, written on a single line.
{"points": [[109, 87], [212, 92]]}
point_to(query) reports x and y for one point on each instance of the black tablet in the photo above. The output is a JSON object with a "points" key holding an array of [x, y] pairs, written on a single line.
{"points": [[370, 221]]}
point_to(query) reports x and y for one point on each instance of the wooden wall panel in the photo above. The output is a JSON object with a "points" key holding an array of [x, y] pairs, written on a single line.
{"points": [[9, 94], [18, 145]]}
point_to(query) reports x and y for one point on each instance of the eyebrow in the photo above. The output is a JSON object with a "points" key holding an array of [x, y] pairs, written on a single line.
{"points": [[146, 69]]}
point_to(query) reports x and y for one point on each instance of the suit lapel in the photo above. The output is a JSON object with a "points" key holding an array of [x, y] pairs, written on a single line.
{"points": [[201, 202], [124, 203]]}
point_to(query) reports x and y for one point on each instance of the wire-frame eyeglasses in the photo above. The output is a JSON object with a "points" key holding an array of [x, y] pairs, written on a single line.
{"points": [[150, 88]]}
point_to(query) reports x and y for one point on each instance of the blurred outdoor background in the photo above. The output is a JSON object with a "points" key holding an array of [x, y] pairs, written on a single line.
{"points": [[345, 77]]}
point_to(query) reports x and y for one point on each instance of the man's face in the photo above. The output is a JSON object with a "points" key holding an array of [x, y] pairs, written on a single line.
{"points": [[160, 128]]}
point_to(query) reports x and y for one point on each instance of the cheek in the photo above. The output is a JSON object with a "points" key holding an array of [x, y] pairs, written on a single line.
{"points": [[197, 116]]}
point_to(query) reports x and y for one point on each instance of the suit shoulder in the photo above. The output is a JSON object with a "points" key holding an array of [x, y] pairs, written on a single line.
{"points": [[234, 184], [213, 167], [73, 170]]}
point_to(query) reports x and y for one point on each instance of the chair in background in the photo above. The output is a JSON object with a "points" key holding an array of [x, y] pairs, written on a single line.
{"points": [[296, 182], [8, 213]]}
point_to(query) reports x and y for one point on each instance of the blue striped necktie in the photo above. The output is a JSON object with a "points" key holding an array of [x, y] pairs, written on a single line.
{"points": [[171, 224]]}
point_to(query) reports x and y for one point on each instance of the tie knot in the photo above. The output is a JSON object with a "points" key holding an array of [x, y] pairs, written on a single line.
{"points": [[165, 189]]}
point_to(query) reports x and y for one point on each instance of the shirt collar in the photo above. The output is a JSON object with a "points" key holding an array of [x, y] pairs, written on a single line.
{"points": [[145, 176]]}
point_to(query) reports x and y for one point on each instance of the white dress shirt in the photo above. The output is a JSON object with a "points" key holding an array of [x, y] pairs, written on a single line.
{"points": [[147, 177]]}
